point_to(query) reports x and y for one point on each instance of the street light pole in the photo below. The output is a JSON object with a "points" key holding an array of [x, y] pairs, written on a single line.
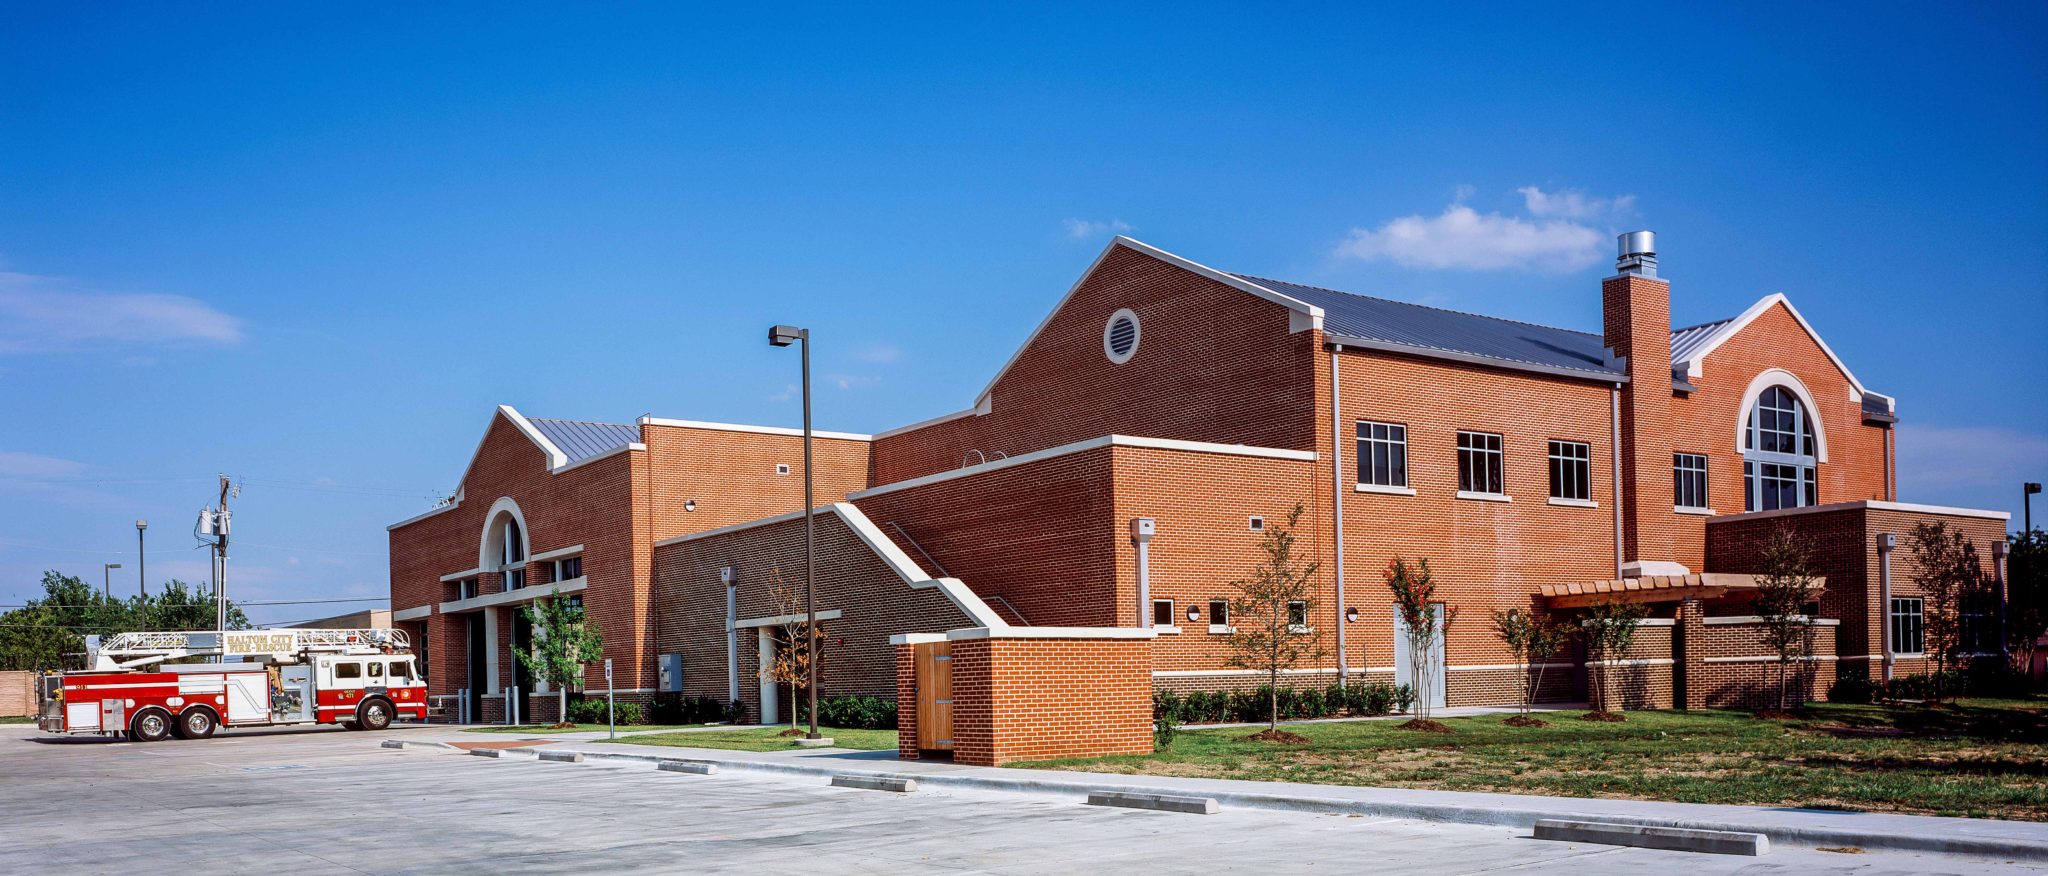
{"points": [[106, 588], [141, 574], [2027, 491], [783, 336]]}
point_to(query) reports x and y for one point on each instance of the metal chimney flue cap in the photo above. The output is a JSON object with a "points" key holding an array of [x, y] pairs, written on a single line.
{"points": [[1638, 243]]}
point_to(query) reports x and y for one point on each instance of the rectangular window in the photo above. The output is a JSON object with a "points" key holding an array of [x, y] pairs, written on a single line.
{"points": [[1977, 623], [515, 579], [465, 588], [401, 672], [348, 670], [1479, 463], [568, 568], [1570, 471], [1297, 614], [376, 670], [1774, 485], [1689, 480], [1907, 630], [1162, 612], [1382, 454], [1219, 613]]}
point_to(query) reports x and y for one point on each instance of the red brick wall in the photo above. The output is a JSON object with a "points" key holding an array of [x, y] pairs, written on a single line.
{"points": [[591, 505], [1214, 363], [731, 475], [1484, 555], [1707, 421], [1845, 541], [17, 694], [1037, 699], [874, 601]]}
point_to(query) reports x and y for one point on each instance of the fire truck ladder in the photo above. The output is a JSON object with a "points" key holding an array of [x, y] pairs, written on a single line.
{"points": [[130, 650]]}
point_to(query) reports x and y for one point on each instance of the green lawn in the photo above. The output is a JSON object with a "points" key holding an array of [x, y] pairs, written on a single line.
{"points": [[1984, 759], [17, 719], [580, 728], [763, 739]]}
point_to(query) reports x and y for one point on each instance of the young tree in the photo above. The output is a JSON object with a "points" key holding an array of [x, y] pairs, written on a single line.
{"points": [[1947, 575], [1422, 625], [2026, 596], [1610, 629], [1784, 588], [1533, 639], [790, 665], [1270, 611], [563, 641]]}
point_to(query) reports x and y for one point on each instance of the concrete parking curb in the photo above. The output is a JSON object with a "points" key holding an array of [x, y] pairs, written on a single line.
{"points": [[687, 766], [1487, 813], [562, 756], [1158, 803], [896, 784], [1676, 839]]}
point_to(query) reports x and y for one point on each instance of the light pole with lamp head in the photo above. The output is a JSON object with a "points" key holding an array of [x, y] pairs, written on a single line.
{"points": [[783, 336], [107, 588], [2027, 491], [141, 575]]}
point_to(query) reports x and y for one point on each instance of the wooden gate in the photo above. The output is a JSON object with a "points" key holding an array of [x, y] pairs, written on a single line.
{"points": [[934, 696]]}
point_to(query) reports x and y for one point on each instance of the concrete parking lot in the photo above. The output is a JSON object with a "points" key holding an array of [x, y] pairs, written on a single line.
{"points": [[331, 801]]}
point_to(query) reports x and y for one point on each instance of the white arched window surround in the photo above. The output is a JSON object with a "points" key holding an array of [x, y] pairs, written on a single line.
{"points": [[491, 554], [1790, 383]]}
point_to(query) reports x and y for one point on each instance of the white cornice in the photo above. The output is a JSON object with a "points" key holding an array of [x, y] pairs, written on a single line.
{"points": [[1870, 504], [1050, 633]]}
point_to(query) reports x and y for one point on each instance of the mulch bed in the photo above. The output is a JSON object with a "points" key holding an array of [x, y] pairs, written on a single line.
{"points": [[794, 732], [1610, 717], [1425, 726], [1525, 721], [1774, 715], [1270, 735]]}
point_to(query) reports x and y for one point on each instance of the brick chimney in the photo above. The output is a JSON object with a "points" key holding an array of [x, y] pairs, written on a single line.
{"points": [[1636, 323]]}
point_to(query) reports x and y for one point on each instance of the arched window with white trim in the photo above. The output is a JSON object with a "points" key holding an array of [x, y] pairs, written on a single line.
{"points": [[507, 550], [1779, 454]]}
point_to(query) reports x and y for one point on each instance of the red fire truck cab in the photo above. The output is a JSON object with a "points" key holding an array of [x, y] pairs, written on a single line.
{"points": [[360, 679]]}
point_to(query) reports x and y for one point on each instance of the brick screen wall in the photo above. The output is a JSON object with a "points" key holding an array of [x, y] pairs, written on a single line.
{"points": [[1017, 699]]}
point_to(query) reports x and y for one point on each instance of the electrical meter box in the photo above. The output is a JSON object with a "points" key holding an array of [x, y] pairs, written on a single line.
{"points": [[671, 673]]}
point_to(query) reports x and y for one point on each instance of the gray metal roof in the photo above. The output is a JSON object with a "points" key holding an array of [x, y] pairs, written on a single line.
{"points": [[1689, 339], [579, 439], [1401, 324]]}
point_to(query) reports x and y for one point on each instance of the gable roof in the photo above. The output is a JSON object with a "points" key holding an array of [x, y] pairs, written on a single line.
{"points": [[1399, 326], [579, 440], [1701, 340]]}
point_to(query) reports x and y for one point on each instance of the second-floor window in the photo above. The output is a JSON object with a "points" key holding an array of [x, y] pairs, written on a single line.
{"points": [[1907, 616], [1162, 612], [1779, 453], [1479, 463], [1689, 480], [568, 568], [1382, 454], [1570, 471]]}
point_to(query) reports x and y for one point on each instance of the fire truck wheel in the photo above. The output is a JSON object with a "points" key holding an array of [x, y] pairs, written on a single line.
{"points": [[375, 714], [196, 723], [150, 725]]}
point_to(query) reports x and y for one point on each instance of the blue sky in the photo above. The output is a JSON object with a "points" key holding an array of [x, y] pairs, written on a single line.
{"points": [[314, 247]]}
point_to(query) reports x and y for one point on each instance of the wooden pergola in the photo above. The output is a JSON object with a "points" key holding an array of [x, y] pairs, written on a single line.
{"points": [[1652, 588]]}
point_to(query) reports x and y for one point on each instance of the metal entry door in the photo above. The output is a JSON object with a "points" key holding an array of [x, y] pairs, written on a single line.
{"points": [[934, 696]]}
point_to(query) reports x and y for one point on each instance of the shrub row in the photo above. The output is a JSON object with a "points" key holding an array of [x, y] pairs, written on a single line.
{"points": [[590, 710], [674, 709], [1986, 681], [1246, 706], [857, 713]]}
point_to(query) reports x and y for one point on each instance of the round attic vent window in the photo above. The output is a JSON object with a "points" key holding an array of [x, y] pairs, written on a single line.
{"points": [[1120, 336]]}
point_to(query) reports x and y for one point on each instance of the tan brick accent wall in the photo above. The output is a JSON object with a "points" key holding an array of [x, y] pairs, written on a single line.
{"points": [[1646, 678], [1213, 364], [874, 602], [1034, 699], [1752, 683], [17, 694]]}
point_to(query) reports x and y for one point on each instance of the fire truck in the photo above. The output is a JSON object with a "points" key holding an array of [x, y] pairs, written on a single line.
{"points": [[361, 679]]}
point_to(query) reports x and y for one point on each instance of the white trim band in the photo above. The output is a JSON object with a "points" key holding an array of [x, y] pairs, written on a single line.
{"points": [[1085, 445], [1871, 505], [757, 430], [973, 633]]}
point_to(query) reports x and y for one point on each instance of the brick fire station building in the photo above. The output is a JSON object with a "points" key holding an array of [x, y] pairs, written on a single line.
{"points": [[1070, 537]]}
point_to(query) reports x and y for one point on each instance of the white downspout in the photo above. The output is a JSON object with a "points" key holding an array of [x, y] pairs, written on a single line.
{"points": [[1141, 534], [732, 642], [1614, 456], [1337, 493], [1886, 542]]}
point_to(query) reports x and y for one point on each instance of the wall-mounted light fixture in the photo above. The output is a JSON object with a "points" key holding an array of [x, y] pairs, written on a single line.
{"points": [[1194, 613], [1351, 614], [690, 505]]}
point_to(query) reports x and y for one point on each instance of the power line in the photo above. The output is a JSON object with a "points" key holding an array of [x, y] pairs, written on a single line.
{"points": [[236, 604]]}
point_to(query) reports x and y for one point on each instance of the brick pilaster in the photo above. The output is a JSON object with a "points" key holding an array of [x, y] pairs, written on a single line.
{"points": [[906, 702], [1689, 673]]}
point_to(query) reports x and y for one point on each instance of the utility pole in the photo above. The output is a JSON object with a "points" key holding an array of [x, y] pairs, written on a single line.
{"points": [[141, 575], [220, 590]]}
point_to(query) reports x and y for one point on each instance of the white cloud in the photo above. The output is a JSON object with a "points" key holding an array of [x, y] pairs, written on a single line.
{"points": [[789, 391], [16, 464], [852, 381], [1464, 238], [43, 314], [880, 354], [1574, 204], [1945, 462], [1082, 228]]}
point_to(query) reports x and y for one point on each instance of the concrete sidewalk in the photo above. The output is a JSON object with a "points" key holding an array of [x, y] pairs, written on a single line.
{"points": [[1799, 827]]}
